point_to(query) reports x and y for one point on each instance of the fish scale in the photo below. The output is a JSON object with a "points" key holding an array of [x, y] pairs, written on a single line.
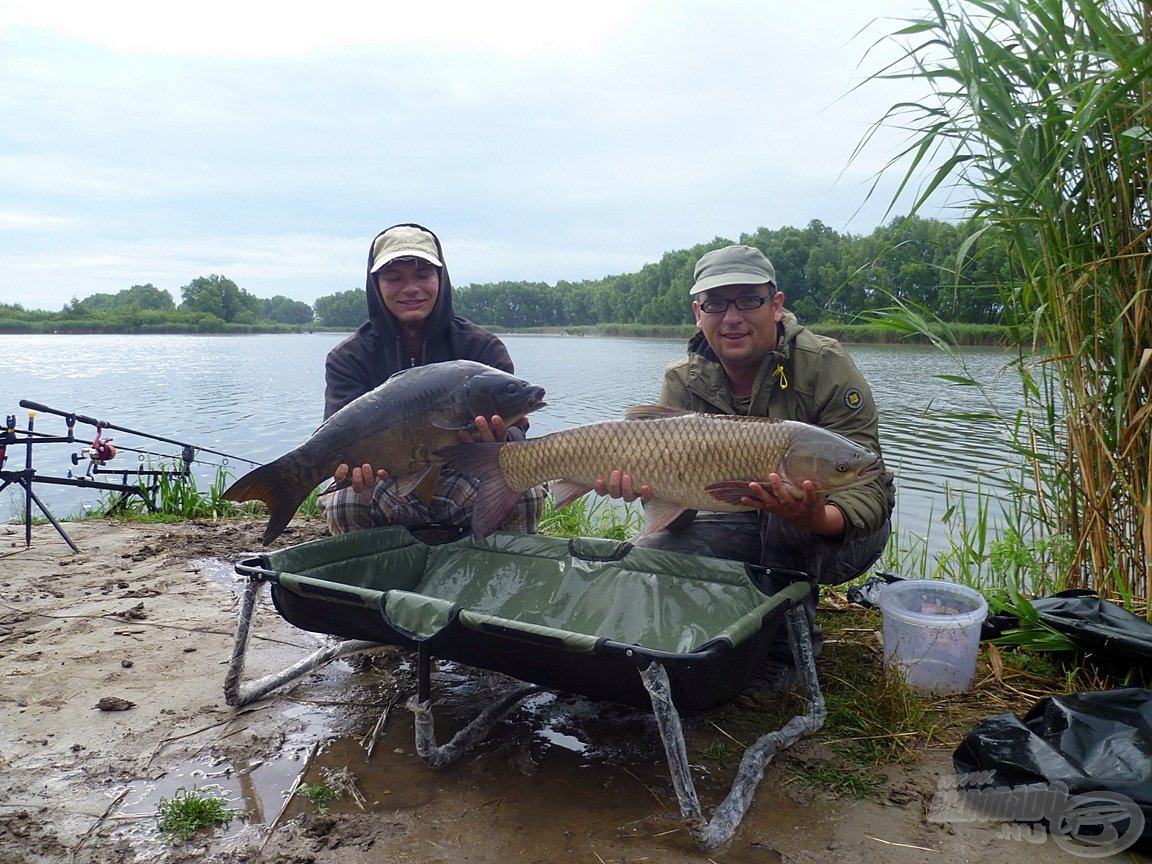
{"points": [[688, 461], [675, 456], [395, 427]]}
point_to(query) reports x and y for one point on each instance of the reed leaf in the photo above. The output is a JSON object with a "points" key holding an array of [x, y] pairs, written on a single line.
{"points": [[1040, 111]]}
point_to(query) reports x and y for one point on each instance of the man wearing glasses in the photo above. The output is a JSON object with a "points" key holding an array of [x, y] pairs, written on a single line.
{"points": [[753, 357]]}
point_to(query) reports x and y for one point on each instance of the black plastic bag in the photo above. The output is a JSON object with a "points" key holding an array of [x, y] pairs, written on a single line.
{"points": [[1089, 743], [867, 594], [1097, 625], [1092, 623]]}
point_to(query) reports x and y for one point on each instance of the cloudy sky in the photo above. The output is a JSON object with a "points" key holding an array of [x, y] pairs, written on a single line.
{"points": [[155, 142]]}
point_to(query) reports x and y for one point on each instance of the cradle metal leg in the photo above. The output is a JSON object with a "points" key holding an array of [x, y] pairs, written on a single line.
{"points": [[726, 819], [238, 693], [437, 756]]}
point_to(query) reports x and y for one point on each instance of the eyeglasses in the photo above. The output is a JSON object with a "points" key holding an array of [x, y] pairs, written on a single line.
{"points": [[745, 303]]}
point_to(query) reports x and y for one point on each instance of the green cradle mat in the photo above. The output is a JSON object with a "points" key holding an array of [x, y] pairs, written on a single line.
{"points": [[578, 615]]}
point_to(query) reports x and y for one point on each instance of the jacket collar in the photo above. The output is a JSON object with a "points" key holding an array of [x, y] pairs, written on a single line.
{"points": [[706, 377]]}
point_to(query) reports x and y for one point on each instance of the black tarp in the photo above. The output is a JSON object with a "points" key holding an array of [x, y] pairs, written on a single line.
{"points": [[1089, 742]]}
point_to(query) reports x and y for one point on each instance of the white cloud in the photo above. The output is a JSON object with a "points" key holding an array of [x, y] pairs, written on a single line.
{"points": [[11, 220], [260, 28], [270, 146]]}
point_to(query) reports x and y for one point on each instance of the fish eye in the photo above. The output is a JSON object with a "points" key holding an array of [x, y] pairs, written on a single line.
{"points": [[842, 467], [511, 387]]}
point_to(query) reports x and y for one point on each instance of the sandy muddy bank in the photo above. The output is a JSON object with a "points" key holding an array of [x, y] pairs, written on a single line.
{"points": [[147, 614]]}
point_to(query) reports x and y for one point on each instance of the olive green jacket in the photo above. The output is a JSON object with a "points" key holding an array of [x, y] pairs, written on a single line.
{"points": [[808, 378]]}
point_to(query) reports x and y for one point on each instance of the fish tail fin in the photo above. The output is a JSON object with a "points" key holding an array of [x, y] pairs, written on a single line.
{"points": [[495, 498], [281, 489]]}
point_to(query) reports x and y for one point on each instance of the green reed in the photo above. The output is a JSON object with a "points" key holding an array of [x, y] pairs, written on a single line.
{"points": [[1040, 113]]}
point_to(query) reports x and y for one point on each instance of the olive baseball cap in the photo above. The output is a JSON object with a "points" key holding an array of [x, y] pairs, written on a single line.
{"points": [[404, 241], [732, 265]]}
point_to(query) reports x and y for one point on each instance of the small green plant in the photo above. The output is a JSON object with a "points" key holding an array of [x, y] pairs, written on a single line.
{"points": [[175, 497], [592, 516], [187, 811], [320, 795], [1028, 564], [715, 751]]}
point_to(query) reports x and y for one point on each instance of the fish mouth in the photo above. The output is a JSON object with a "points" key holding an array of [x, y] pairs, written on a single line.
{"points": [[536, 399], [875, 469]]}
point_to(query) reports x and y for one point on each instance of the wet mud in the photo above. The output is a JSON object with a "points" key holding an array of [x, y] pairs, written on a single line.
{"points": [[147, 614]]}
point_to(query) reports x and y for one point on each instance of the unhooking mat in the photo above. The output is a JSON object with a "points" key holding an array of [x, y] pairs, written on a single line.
{"points": [[574, 615]]}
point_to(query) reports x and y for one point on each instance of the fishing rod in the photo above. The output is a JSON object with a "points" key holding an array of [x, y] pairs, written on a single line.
{"points": [[89, 453], [101, 424]]}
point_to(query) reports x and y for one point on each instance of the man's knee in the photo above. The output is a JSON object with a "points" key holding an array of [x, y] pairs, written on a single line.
{"points": [[854, 558]]}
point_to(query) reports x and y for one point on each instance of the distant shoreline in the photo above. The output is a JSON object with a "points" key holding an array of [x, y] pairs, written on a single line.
{"points": [[991, 335]]}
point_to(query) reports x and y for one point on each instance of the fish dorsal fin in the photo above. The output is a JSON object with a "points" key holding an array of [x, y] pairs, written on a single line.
{"points": [[653, 412]]}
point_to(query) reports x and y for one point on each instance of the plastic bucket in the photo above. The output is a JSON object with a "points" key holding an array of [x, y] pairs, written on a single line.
{"points": [[932, 633]]}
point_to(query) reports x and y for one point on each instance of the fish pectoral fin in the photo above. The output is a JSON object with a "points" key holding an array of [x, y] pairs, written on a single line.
{"points": [[427, 486], [452, 424], [728, 491], [564, 492], [653, 412], [421, 483], [658, 515]]}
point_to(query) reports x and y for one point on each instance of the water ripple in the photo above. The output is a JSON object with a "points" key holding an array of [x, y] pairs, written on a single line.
{"points": [[259, 396]]}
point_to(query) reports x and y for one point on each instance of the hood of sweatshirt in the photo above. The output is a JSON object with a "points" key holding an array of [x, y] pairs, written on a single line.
{"points": [[385, 328]]}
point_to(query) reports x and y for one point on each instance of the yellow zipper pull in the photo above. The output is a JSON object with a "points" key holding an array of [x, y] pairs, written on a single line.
{"points": [[779, 373]]}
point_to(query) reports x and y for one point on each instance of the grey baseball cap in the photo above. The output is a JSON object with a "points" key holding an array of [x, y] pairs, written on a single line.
{"points": [[732, 265]]}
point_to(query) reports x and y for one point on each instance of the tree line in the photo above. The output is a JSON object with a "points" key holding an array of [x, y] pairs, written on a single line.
{"points": [[826, 276]]}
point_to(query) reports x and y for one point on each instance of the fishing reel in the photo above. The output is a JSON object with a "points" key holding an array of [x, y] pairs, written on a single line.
{"points": [[100, 452]]}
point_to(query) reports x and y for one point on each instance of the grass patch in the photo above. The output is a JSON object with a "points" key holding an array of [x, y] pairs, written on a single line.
{"points": [[592, 516], [190, 810], [319, 794], [873, 717], [173, 498], [837, 781]]}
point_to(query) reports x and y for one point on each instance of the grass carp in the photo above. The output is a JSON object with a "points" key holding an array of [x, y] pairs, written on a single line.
{"points": [[690, 461], [399, 426]]}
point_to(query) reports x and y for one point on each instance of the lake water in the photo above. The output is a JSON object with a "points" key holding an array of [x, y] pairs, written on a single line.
{"points": [[256, 397]]}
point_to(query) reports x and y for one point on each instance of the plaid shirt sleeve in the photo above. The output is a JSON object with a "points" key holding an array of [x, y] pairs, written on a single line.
{"points": [[346, 511], [451, 504]]}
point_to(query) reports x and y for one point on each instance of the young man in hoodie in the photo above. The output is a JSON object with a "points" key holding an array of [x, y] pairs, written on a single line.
{"points": [[411, 323]]}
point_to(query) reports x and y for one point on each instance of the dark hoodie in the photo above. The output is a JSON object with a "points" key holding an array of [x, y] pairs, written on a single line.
{"points": [[368, 357]]}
